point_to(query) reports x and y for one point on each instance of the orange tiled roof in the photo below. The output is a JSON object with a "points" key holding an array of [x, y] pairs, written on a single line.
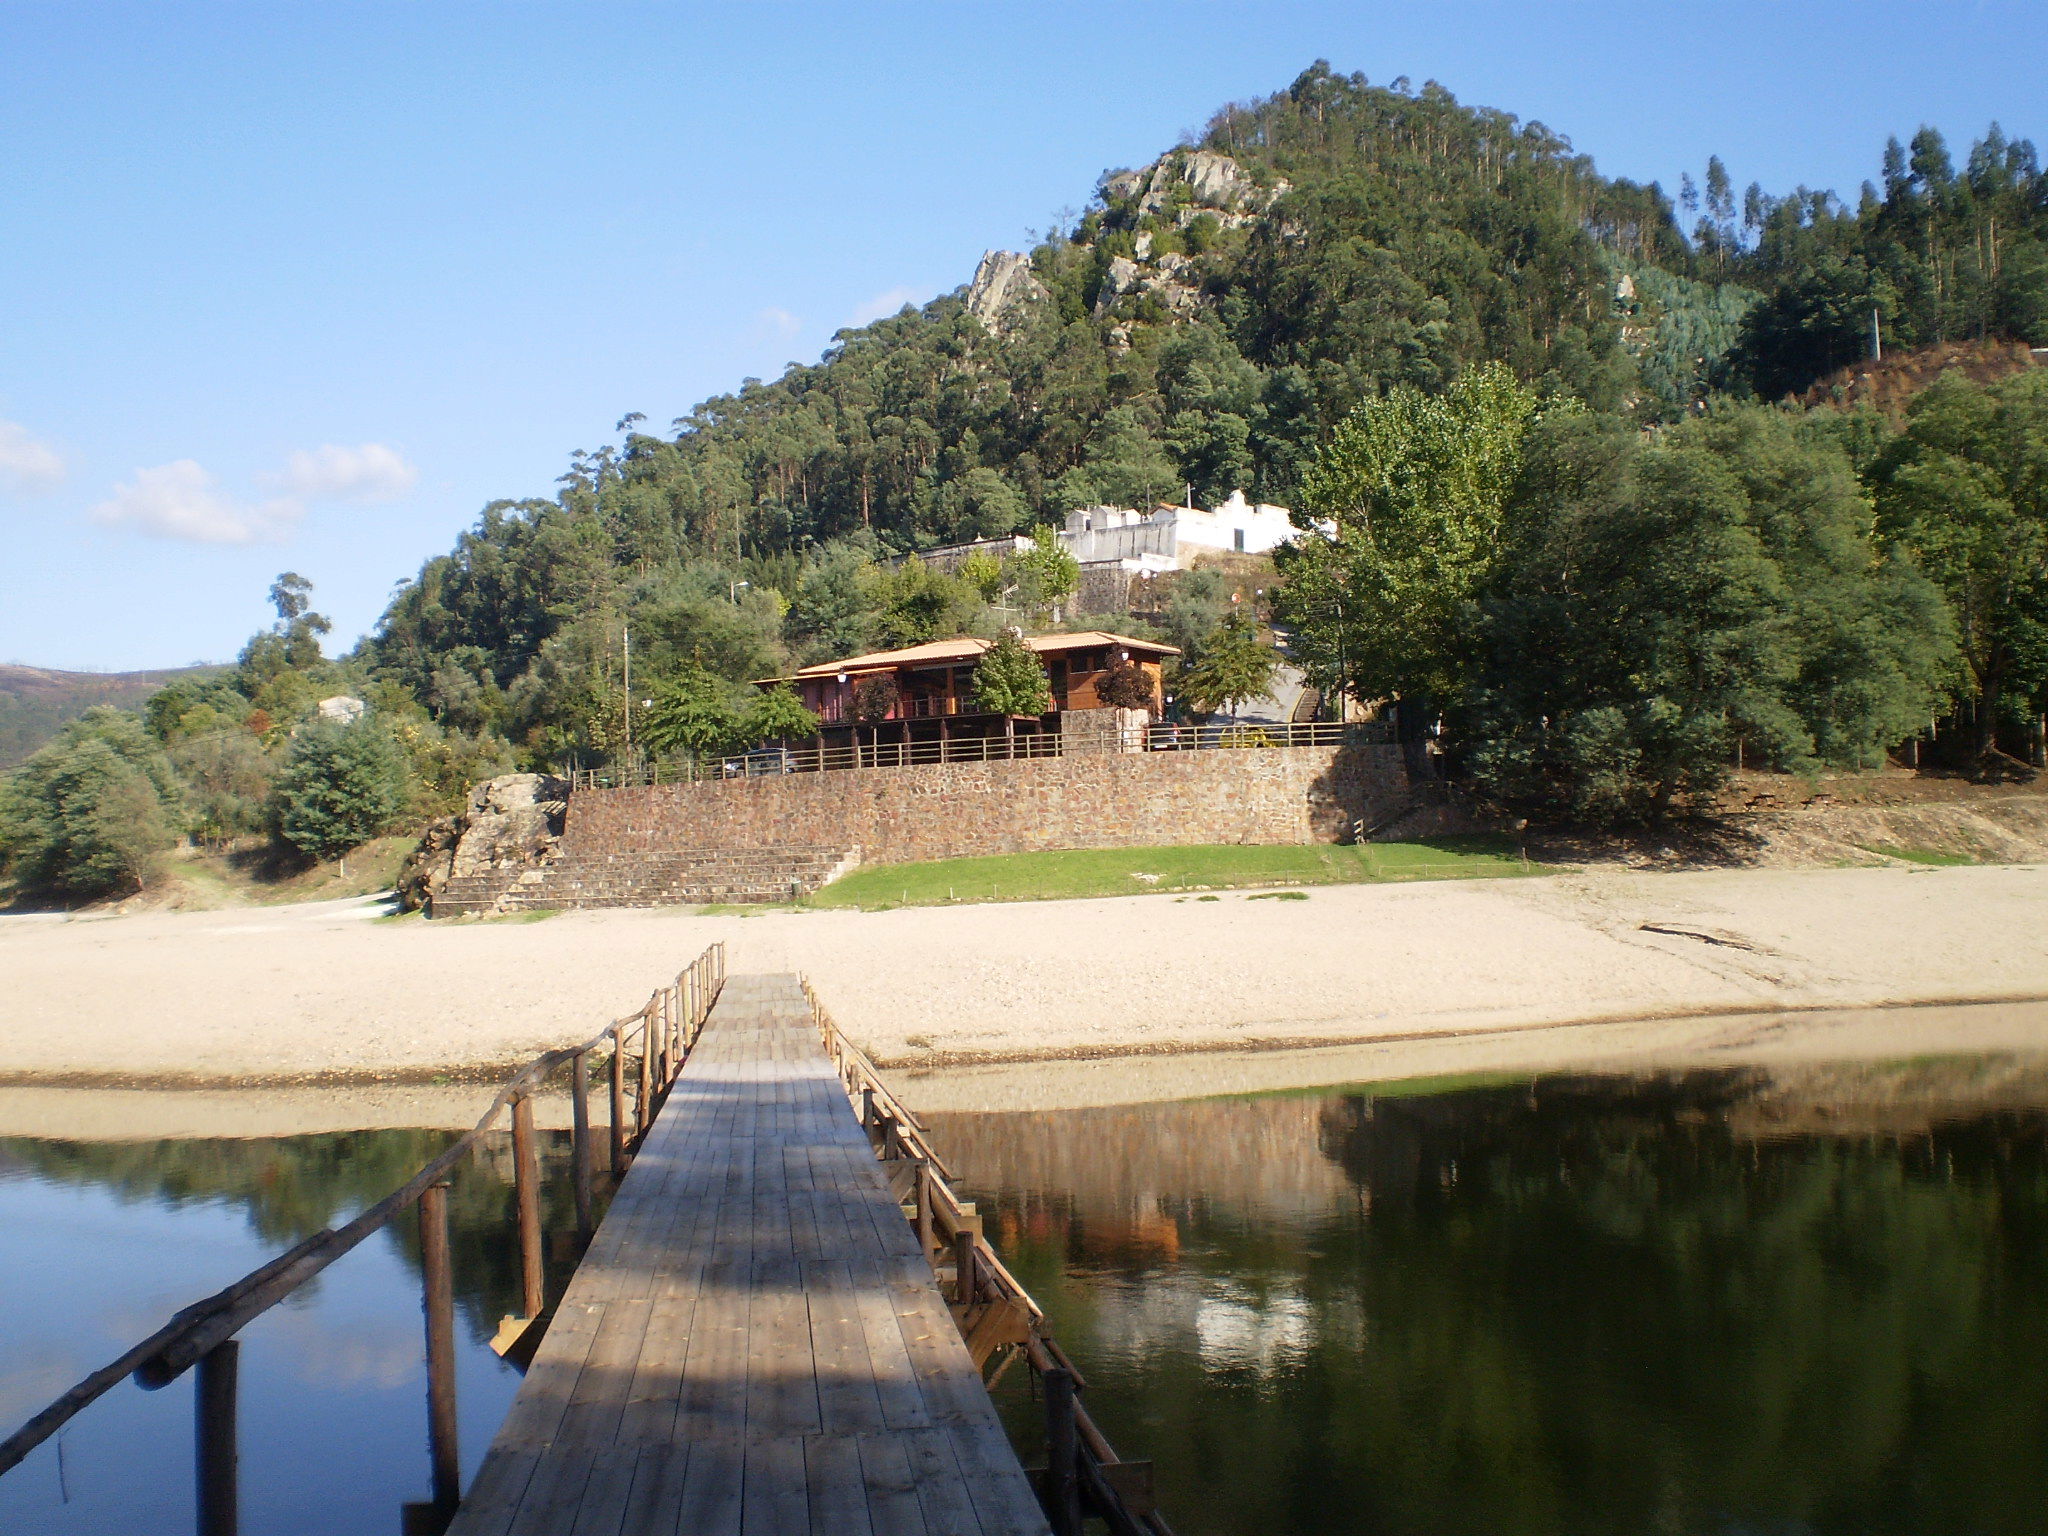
{"points": [[969, 648]]}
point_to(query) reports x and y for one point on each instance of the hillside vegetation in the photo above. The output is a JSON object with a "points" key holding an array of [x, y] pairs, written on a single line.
{"points": [[1569, 521]]}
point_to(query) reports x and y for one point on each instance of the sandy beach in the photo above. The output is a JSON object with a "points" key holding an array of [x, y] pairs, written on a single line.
{"points": [[317, 994]]}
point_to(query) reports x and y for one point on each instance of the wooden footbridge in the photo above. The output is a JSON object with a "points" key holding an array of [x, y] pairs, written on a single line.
{"points": [[780, 1328]]}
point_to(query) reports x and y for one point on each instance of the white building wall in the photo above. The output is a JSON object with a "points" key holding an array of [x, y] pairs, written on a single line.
{"points": [[1175, 533]]}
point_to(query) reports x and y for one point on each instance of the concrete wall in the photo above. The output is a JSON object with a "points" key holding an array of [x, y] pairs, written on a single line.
{"points": [[956, 810]]}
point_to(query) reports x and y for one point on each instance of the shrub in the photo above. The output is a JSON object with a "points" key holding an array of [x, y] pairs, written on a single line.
{"points": [[1125, 686], [874, 697]]}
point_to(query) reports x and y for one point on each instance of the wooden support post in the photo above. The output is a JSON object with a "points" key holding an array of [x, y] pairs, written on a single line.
{"points": [[219, 1460], [526, 1180], [438, 1277], [579, 1095], [964, 1264], [1062, 1454], [924, 1208], [644, 1110], [867, 1112], [618, 1087]]}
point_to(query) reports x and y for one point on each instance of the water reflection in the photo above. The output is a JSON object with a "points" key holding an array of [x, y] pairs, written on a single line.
{"points": [[101, 1241], [1727, 1301]]}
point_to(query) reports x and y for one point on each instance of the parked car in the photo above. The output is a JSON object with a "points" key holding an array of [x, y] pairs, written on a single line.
{"points": [[758, 764]]}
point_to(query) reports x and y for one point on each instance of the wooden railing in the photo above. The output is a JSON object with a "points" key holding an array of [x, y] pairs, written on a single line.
{"points": [[771, 762], [643, 1053], [1083, 1475]]}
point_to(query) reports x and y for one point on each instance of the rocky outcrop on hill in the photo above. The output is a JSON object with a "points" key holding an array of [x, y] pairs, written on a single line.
{"points": [[1177, 190], [512, 822], [1004, 290], [1214, 184]]}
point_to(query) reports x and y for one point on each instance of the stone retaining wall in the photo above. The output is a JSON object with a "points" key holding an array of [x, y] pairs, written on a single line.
{"points": [[957, 810]]}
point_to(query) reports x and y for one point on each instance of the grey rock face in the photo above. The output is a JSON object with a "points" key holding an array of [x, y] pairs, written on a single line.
{"points": [[511, 822], [1004, 289]]}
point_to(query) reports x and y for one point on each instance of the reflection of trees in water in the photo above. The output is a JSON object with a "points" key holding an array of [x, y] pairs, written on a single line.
{"points": [[291, 1187], [1587, 1306], [1402, 1148]]}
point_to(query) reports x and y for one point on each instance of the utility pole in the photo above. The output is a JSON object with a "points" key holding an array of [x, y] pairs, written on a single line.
{"points": [[626, 683], [1876, 337]]}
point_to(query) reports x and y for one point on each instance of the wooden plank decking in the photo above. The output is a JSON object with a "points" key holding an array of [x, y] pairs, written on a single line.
{"points": [[753, 1343]]}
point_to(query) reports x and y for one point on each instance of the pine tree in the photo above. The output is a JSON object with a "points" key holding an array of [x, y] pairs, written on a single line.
{"points": [[340, 786]]}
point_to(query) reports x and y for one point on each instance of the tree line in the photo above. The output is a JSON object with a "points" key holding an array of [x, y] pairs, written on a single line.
{"points": [[238, 760], [1599, 623]]}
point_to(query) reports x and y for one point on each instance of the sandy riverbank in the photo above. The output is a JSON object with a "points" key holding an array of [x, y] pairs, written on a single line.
{"points": [[315, 994]]}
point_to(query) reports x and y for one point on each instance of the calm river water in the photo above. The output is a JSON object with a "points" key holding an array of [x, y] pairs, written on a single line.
{"points": [[1715, 1302], [1702, 1303]]}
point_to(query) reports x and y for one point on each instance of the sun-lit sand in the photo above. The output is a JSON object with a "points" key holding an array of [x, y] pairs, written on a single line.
{"points": [[1416, 976]]}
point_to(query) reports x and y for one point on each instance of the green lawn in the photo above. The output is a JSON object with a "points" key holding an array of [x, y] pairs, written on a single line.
{"points": [[1138, 871], [1934, 856]]}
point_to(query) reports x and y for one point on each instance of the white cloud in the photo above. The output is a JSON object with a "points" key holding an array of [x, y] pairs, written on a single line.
{"points": [[368, 472], [778, 322], [27, 464], [883, 304], [180, 501]]}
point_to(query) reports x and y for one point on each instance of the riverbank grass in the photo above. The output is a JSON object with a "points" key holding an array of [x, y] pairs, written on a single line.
{"points": [[1067, 876]]}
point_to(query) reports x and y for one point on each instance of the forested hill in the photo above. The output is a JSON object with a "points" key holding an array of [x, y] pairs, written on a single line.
{"points": [[36, 703], [1204, 324]]}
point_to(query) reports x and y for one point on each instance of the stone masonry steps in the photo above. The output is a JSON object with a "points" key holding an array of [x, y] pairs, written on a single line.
{"points": [[667, 877]]}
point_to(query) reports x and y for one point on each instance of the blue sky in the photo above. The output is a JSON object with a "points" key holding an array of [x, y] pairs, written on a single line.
{"points": [[304, 286]]}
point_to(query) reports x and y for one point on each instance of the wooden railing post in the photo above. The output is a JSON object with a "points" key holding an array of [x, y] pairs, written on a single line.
{"points": [[924, 1207], [438, 1282], [526, 1181], [579, 1099], [644, 1110], [618, 1106], [1062, 1454], [964, 1264], [219, 1458]]}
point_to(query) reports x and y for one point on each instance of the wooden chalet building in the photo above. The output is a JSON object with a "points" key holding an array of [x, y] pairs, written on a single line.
{"points": [[933, 693]]}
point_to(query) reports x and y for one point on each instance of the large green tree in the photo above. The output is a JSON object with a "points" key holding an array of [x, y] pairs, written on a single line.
{"points": [[1010, 680], [1235, 667], [92, 813], [1964, 490], [1403, 516], [1641, 631], [693, 712]]}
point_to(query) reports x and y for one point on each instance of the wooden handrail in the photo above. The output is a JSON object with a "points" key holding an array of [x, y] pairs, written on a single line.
{"points": [[994, 1312], [195, 1331]]}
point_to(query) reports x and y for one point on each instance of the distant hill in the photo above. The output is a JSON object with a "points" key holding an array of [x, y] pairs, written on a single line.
{"points": [[37, 702]]}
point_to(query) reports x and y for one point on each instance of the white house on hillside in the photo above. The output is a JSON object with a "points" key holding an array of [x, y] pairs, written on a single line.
{"points": [[1173, 534]]}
